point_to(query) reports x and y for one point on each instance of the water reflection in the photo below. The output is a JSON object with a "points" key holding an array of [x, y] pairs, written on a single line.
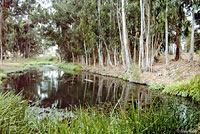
{"points": [[56, 88]]}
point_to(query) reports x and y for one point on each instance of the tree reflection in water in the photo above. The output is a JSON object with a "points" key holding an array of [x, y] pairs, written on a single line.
{"points": [[56, 88]]}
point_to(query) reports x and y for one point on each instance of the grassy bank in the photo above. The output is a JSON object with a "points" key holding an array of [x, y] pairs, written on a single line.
{"points": [[188, 88], [17, 118], [41, 61]]}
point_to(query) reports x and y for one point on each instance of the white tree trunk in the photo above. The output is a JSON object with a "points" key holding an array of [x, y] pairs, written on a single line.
{"points": [[94, 56], [86, 57], [166, 37], [141, 52], [125, 35], [100, 55], [120, 35], [192, 39], [1, 29], [115, 56], [108, 54]]}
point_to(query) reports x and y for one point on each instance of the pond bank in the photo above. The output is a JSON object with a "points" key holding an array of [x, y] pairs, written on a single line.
{"points": [[180, 73]]}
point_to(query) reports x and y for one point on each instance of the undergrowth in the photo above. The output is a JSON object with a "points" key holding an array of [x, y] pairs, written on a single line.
{"points": [[187, 88], [16, 117]]}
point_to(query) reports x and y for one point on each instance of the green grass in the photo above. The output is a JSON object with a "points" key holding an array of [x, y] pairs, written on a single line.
{"points": [[156, 86], [70, 66], [41, 61], [188, 88], [12, 111], [18, 117]]}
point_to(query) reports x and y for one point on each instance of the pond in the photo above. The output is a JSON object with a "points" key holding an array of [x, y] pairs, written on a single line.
{"points": [[56, 88]]}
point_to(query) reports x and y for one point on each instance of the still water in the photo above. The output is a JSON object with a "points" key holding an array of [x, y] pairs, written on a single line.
{"points": [[60, 89]]}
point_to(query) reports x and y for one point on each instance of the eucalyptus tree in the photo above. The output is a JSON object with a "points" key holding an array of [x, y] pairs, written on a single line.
{"points": [[192, 8], [166, 36], [125, 35]]}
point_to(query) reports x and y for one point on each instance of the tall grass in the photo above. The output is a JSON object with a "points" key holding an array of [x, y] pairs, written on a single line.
{"points": [[18, 117], [12, 111]]}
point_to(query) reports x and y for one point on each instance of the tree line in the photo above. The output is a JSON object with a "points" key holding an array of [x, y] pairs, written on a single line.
{"points": [[103, 32]]}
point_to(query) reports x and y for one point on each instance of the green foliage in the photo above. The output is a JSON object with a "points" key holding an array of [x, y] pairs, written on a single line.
{"points": [[188, 88], [157, 86], [124, 76], [70, 66]]}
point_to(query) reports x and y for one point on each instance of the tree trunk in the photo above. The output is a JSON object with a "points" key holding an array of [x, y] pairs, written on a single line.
{"points": [[72, 57], [178, 43], [125, 35], [115, 56], [86, 57], [1, 29], [141, 52], [166, 37], [108, 54], [121, 40], [100, 55], [192, 39], [147, 36], [94, 56]]}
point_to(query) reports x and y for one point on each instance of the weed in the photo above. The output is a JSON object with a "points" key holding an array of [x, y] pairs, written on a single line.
{"points": [[157, 86]]}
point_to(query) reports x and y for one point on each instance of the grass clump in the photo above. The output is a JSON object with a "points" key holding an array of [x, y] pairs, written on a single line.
{"points": [[188, 88], [70, 66], [12, 111], [124, 77], [157, 86]]}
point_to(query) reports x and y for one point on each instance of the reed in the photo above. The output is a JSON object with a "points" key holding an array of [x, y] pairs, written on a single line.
{"points": [[18, 117]]}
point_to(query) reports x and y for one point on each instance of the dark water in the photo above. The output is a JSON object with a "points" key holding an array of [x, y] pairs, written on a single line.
{"points": [[56, 88]]}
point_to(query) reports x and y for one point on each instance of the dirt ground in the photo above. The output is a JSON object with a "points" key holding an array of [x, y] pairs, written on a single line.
{"points": [[178, 70]]}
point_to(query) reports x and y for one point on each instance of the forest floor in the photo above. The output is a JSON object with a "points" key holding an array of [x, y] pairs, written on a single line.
{"points": [[178, 71]]}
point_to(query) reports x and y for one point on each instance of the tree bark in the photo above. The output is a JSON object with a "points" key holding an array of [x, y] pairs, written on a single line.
{"points": [[125, 35], [178, 43], [1, 29], [86, 56], [166, 37], [147, 36], [141, 53], [192, 39], [115, 56], [108, 54], [121, 40]]}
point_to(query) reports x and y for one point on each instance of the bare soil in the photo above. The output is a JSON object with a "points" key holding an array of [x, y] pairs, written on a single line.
{"points": [[177, 71]]}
